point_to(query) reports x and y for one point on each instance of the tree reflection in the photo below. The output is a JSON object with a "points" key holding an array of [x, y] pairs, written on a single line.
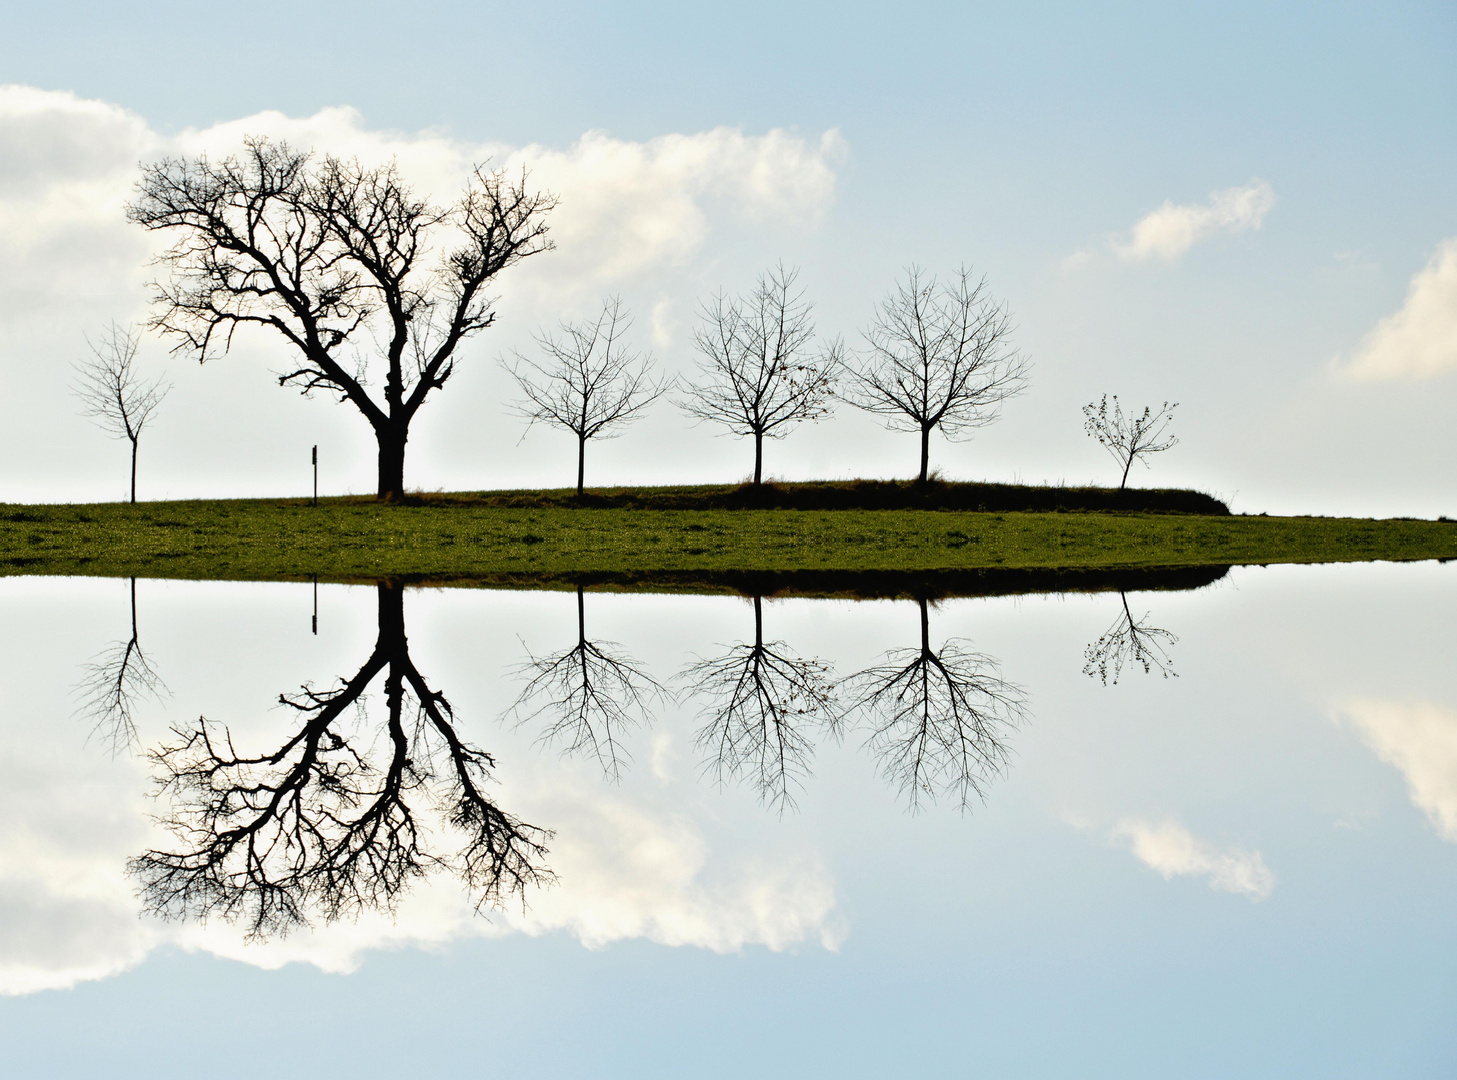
{"points": [[1132, 642], [331, 821], [114, 682], [938, 718], [587, 697], [762, 702]]}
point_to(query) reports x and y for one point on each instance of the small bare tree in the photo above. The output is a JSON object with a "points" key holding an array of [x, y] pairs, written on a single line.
{"points": [[760, 371], [1130, 641], [591, 384], [760, 702], [1130, 438], [939, 718], [938, 357], [114, 393], [588, 696], [114, 682]]}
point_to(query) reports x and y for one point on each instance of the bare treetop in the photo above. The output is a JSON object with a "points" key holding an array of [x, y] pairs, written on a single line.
{"points": [[340, 261], [1130, 438], [113, 391], [591, 383], [938, 357], [759, 371]]}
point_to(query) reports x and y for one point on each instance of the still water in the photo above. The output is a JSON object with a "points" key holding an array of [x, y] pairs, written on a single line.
{"points": [[393, 831]]}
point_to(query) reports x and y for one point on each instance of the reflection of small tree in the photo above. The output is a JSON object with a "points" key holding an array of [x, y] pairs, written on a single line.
{"points": [[758, 374], [759, 698], [588, 696], [113, 392], [1132, 642], [591, 384], [938, 718], [1130, 438], [318, 823], [112, 684], [938, 358]]}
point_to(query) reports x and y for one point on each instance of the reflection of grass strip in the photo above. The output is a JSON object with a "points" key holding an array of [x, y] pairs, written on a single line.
{"points": [[251, 539]]}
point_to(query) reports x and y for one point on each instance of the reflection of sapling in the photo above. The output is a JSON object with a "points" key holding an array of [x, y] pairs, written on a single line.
{"points": [[1129, 641], [1129, 438]]}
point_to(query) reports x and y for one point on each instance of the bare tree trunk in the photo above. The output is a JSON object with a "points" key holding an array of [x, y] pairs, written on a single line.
{"points": [[134, 470], [758, 621], [925, 451], [758, 457], [1124, 481], [925, 630], [134, 609], [581, 461], [391, 462], [581, 618]]}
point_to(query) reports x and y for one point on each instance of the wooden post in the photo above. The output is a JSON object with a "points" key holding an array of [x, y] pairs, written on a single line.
{"points": [[316, 474]]}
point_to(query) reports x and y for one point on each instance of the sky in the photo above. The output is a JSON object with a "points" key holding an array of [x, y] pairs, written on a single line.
{"points": [[1247, 209]]}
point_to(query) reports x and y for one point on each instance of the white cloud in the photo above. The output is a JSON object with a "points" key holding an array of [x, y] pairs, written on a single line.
{"points": [[1172, 850], [1420, 739], [1420, 340], [1170, 231], [627, 208]]}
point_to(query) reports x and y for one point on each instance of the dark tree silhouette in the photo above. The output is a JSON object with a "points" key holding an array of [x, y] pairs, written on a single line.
{"points": [[339, 261], [759, 701], [1130, 438], [1129, 641], [318, 824], [587, 697], [591, 384], [759, 371], [938, 718], [113, 392], [938, 358], [113, 683]]}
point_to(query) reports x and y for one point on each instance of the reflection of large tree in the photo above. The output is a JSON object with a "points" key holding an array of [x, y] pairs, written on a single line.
{"points": [[587, 697], [1129, 642], [758, 701], [332, 820], [114, 682], [938, 718]]}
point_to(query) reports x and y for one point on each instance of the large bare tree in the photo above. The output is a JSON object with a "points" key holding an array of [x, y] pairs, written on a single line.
{"points": [[938, 357], [350, 270], [114, 393], [760, 371], [338, 818], [590, 382], [1133, 437]]}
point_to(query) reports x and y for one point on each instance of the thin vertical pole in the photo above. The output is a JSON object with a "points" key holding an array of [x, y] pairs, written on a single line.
{"points": [[316, 475], [316, 605]]}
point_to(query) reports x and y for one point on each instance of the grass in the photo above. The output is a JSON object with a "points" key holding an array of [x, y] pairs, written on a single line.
{"points": [[453, 538]]}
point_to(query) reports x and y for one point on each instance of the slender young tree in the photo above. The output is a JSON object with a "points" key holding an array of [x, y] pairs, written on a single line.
{"points": [[114, 393], [350, 269], [590, 382], [760, 370], [938, 358], [1130, 438]]}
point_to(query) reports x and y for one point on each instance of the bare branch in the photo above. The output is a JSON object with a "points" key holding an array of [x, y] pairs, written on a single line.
{"points": [[1132, 642]]}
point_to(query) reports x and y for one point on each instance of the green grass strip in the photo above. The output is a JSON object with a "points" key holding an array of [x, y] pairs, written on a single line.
{"points": [[345, 540]]}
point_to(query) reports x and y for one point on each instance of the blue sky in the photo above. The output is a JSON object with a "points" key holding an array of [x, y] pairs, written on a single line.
{"points": [[1026, 140]]}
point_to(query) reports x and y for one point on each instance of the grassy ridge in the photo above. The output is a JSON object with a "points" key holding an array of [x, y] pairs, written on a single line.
{"points": [[847, 495], [359, 540]]}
